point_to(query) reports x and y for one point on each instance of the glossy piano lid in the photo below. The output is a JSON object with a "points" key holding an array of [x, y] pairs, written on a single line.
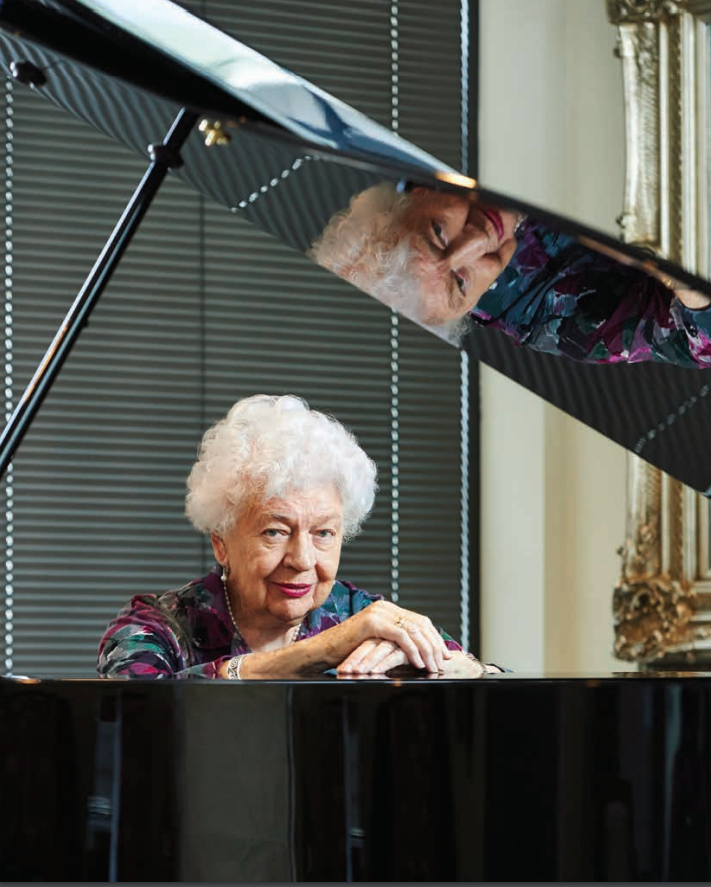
{"points": [[291, 159], [216, 71]]}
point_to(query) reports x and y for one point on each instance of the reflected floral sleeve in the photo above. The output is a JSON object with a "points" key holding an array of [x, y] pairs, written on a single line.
{"points": [[562, 298]]}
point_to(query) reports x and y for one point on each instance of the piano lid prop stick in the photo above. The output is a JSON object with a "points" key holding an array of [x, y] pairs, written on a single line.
{"points": [[164, 157]]}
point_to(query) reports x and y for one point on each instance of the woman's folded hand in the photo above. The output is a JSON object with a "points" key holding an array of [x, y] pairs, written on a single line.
{"points": [[407, 632], [373, 657], [377, 657], [378, 638]]}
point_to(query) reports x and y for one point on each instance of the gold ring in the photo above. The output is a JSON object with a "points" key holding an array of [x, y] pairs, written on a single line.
{"points": [[402, 623]]}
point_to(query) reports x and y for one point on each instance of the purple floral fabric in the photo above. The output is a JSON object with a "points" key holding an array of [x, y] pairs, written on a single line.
{"points": [[562, 298], [187, 632]]}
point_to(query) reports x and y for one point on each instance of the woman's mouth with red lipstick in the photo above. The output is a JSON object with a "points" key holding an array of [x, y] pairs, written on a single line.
{"points": [[495, 219], [293, 589]]}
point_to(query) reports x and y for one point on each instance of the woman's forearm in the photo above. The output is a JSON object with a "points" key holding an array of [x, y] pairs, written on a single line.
{"points": [[310, 656], [412, 633]]}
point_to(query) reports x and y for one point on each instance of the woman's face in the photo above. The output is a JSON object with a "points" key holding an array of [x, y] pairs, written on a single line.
{"points": [[462, 247], [283, 555]]}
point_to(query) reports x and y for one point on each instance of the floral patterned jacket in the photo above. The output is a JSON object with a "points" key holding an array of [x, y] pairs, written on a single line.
{"points": [[187, 632], [560, 297]]}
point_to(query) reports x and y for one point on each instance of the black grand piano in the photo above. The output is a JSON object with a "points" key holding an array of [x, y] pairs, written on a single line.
{"points": [[506, 778]]}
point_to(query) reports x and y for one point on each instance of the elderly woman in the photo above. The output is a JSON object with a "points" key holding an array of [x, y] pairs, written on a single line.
{"points": [[447, 261], [279, 488]]}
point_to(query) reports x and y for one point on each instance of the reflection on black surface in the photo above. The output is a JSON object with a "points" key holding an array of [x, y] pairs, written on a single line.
{"points": [[436, 256], [42, 810], [429, 254], [506, 780], [104, 803], [293, 188], [412, 799], [689, 842], [320, 772]]}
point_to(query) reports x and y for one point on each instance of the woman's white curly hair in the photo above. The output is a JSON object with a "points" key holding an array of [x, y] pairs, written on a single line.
{"points": [[271, 446], [367, 245]]}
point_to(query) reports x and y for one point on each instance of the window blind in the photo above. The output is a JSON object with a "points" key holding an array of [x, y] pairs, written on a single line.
{"points": [[206, 309]]}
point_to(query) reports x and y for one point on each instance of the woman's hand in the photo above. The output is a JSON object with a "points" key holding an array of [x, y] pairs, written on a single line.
{"points": [[378, 657], [373, 657], [408, 632], [462, 665], [692, 299], [354, 644]]}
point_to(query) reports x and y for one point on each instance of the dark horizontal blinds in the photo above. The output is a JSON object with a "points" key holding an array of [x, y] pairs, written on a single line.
{"points": [[97, 482], [206, 309]]}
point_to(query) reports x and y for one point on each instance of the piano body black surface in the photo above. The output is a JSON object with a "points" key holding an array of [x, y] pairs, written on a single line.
{"points": [[510, 778]]}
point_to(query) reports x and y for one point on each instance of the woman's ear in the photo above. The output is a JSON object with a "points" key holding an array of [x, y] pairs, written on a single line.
{"points": [[218, 547]]}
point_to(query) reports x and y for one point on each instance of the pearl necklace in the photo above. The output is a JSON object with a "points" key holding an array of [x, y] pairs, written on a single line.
{"points": [[236, 627]]}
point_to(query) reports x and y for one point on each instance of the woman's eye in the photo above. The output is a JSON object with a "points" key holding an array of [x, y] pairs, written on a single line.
{"points": [[272, 532], [439, 234], [324, 534], [460, 281]]}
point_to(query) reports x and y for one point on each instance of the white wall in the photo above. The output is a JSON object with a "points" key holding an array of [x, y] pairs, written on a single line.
{"points": [[553, 503]]}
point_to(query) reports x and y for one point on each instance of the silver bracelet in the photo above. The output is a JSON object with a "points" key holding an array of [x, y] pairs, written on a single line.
{"points": [[234, 666]]}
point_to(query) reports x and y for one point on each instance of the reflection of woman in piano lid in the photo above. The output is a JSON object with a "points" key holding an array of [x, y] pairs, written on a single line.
{"points": [[279, 488], [429, 254], [446, 262]]}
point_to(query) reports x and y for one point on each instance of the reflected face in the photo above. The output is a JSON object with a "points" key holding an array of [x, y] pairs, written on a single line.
{"points": [[283, 555], [461, 248], [428, 254]]}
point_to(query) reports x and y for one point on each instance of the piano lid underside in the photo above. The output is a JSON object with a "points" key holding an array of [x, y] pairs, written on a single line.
{"points": [[291, 190]]}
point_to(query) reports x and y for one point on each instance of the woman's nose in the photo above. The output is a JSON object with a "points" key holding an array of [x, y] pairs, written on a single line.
{"points": [[300, 553], [470, 245]]}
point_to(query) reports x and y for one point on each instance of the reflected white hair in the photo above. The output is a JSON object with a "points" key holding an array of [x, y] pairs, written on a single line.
{"points": [[366, 245], [271, 446]]}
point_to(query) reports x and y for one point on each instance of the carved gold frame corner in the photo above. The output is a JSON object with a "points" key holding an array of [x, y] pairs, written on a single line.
{"points": [[662, 604]]}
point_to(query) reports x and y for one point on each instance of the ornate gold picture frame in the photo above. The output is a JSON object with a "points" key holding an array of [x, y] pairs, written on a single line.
{"points": [[662, 605]]}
